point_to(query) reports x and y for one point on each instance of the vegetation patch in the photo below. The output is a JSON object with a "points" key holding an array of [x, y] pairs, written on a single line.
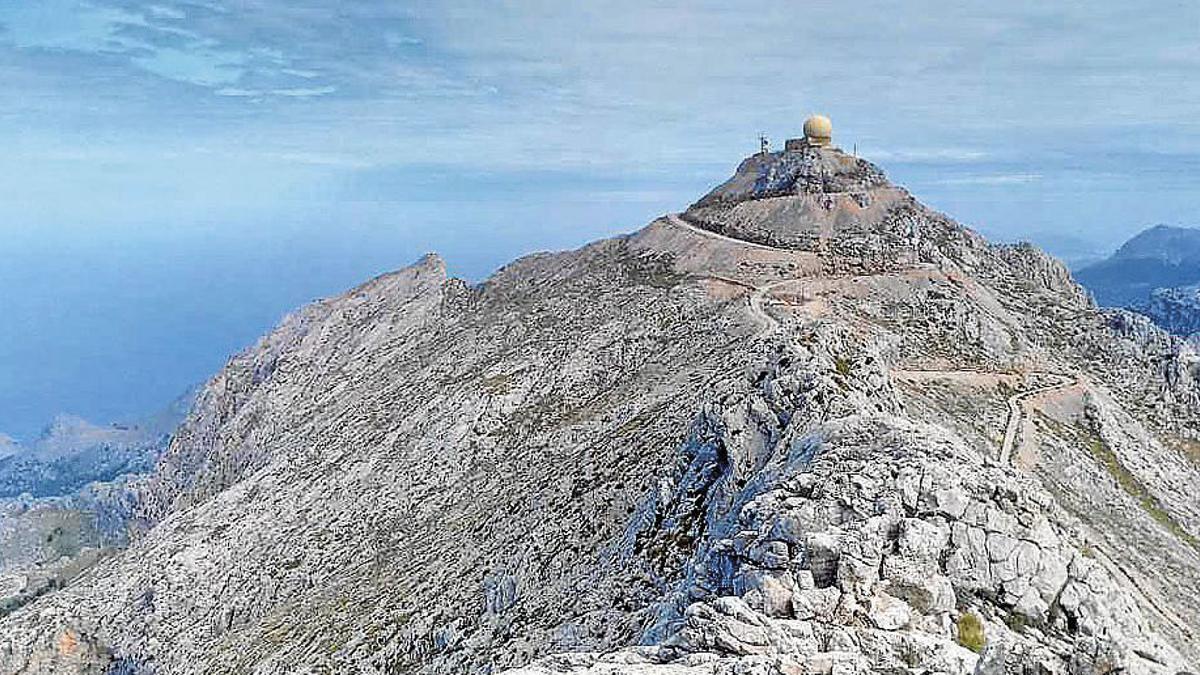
{"points": [[497, 384], [655, 272], [1136, 489], [970, 632]]}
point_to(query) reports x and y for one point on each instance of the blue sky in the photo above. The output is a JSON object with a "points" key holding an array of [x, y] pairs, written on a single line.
{"points": [[180, 174]]}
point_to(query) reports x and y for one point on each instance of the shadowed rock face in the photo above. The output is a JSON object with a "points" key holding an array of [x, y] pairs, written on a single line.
{"points": [[771, 458]]}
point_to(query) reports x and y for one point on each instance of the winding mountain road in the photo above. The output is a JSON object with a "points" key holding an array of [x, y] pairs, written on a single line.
{"points": [[677, 220], [1016, 411], [759, 294]]}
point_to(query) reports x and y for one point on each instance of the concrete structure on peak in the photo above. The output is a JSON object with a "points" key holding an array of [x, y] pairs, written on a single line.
{"points": [[818, 133]]}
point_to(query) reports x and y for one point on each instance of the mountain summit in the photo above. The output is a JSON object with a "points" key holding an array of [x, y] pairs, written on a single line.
{"points": [[1156, 273], [1159, 257], [822, 200], [1170, 245], [806, 426]]}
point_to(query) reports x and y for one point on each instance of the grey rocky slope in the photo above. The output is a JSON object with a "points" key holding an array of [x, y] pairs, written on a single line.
{"points": [[808, 426]]}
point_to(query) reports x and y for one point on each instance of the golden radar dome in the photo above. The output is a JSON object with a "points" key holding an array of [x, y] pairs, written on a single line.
{"points": [[818, 130]]}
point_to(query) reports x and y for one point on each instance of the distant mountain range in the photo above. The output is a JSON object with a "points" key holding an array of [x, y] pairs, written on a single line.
{"points": [[1156, 273], [73, 452], [66, 498]]}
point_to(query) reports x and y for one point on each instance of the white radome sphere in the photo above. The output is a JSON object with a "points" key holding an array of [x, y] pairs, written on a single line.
{"points": [[818, 129]]}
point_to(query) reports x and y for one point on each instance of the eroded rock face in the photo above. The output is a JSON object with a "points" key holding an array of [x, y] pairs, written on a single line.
{"points": [[860, 540], [803, 199], [675, 452]]}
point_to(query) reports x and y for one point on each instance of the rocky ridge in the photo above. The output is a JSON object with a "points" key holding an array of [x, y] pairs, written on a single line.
{"points": [[764, 436]]}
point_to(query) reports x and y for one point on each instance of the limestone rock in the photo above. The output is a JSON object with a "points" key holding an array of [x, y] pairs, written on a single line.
{"points": [[767, 437]]}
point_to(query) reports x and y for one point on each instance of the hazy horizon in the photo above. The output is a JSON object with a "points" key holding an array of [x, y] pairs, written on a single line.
{"points": [[181, 174]]}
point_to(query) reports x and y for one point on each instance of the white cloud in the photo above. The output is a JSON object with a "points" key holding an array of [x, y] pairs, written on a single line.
{"points": [[926, 155], [164, 12], [992, 179], [304, 92], [305, 74], [966, 94]]}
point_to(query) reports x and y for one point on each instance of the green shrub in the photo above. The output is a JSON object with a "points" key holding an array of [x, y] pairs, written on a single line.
{"points": [[970, 632]]}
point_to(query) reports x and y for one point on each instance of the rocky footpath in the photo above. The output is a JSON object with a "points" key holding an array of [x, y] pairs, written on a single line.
{"points": [[765, 436]]}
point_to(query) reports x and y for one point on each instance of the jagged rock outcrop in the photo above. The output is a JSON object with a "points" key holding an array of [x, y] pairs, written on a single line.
{"points": [[809, 426], [869, 543]]}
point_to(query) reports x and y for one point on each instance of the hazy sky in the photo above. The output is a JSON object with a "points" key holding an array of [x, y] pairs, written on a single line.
{"points": [[179, 174]]}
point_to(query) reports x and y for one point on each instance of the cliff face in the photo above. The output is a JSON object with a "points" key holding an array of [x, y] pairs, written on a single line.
{"points": [[808, 425]]}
